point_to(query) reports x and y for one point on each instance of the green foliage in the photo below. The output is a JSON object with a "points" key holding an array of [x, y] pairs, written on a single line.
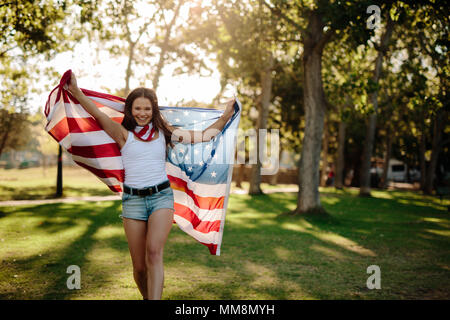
{"points": [[30, 25], [14, 130]]}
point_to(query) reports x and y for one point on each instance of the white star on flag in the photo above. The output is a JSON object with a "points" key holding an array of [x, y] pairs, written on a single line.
{"points": [[213, 174]]}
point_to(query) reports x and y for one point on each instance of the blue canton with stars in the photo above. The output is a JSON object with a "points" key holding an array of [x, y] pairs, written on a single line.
{"points": [[205, 162]]}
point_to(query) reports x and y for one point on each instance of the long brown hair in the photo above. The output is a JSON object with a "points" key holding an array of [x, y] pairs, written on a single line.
{"points": [[158, 122]]}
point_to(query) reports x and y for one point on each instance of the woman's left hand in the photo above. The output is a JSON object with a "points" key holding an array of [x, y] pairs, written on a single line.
{"points": [[229, 111]]}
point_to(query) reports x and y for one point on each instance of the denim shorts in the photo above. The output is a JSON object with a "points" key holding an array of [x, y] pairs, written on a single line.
{"points": [[141, 207]]}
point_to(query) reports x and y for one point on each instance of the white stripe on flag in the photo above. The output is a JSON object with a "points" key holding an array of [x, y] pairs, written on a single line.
{"points": [[110, 181], [119, 106], [57, 113], [107, 163], [74, 110], [200, 189], [91, 138], [186, 226]]}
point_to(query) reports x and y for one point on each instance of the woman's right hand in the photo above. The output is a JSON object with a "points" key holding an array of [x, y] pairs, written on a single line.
{"points": [[72, 85]]}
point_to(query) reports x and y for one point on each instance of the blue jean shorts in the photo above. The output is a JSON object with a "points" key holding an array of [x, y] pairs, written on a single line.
{"points": [[141, 207]]}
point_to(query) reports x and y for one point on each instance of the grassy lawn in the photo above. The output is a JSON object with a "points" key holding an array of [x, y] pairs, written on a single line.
{"points": [[265, 254], [35, 184]]}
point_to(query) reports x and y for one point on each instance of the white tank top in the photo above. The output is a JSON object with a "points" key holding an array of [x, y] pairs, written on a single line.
{"points": [[144, 162]]}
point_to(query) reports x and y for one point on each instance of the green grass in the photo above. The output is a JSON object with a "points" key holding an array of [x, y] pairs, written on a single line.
{"points": [[265, 254], [34, 183], [37, 184]]}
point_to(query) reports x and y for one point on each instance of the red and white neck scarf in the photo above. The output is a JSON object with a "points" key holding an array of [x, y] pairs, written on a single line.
{"points": [[145, 133]]}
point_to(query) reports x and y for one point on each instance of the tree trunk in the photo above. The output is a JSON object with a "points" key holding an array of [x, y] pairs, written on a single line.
{"points": [[314, 40], [240, 176], [165, 47], [3, 141], [372, 121], [44, 165], [274, 178], [266, 95], [422, 149], [128, 71], [438, 127], [387, 156], [7, 130], [59, 177], [339, 179], [326, 136]]}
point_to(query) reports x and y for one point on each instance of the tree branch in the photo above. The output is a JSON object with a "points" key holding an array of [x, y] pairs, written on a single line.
{"points": [[280, 14]]}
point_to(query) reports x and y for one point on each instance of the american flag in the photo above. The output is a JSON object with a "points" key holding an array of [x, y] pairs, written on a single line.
{"points": [[200, 174]]}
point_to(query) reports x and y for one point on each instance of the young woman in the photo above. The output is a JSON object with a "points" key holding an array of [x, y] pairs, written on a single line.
{"points": [[147, 201]]}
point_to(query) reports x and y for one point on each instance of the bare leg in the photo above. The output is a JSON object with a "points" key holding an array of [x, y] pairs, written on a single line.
{"points": [[158, 228], [136, 231]]}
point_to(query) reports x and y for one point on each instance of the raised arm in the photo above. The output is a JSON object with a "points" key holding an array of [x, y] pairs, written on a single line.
{"points": [[115, 130], [192, 136]]}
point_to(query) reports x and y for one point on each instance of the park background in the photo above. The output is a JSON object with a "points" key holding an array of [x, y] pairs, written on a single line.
{"points": [[359, 99]]}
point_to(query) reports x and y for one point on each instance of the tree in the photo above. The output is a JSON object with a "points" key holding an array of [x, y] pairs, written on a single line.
{"points": [[28, 29], [151, 35], [14, 130], [317, 23], [381, 48], [241, 35]]}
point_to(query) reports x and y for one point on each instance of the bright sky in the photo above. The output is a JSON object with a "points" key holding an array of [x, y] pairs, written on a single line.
{"points": [[98, 71], [105, 74]]}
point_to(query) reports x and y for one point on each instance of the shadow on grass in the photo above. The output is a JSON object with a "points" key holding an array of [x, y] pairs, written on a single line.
{"points": [[273, 256], [50, 272], [46, 192]]}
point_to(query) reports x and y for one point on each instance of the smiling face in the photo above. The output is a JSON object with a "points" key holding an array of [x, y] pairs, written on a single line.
{"points": [[141, 110]]}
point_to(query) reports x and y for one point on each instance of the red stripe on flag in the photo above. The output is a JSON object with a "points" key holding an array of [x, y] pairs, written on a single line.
{"points": [[77, 125], [191, 216], [68, 97], [106, 96], [118, 174], [60, 130], [208, 203], [212, 247], [115, 188], [96, 151]]}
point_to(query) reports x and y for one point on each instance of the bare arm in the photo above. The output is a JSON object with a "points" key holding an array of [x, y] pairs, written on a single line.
{"points": [[112, 128], [191, 136]]}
